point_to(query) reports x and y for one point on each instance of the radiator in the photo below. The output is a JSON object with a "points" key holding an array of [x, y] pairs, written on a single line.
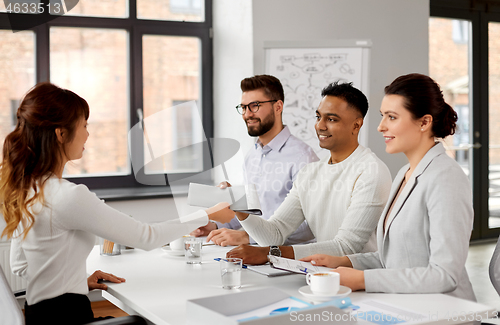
{"points": [[16, 283]]}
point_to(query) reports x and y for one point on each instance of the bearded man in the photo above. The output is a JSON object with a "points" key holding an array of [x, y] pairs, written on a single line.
{"points": [[272, 164]]}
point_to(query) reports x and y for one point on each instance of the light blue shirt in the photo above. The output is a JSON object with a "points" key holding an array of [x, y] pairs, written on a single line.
{"points": [[273, 168]]}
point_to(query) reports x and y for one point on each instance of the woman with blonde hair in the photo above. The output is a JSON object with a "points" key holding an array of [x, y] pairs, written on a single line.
{"points": [[423, 234], [53, 222]]}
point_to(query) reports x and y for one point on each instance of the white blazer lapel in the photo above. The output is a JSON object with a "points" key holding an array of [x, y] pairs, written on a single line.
{"points": [[392, 195], [419, 170], [401, 200]]}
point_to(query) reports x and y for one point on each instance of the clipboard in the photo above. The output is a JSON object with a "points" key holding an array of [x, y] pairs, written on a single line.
{"points": [[295, 266], [268, 270]]}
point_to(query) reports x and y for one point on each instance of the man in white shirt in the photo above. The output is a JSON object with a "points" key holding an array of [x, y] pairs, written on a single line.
{"points": [[272, 164], [341, 196]]}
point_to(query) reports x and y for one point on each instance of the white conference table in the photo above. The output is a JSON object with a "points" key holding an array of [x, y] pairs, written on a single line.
{"points": [[158, 286]]}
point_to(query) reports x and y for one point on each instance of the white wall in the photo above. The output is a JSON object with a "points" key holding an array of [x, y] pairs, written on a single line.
{"points": [[398, 30], [233, 61]]}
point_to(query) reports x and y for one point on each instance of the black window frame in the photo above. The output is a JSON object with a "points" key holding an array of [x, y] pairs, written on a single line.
{"points": [[126, 187], [479, 13]]}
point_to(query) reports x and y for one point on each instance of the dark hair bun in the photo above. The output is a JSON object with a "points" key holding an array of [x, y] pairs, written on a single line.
{"points": [[424, 97], [445, 124]]}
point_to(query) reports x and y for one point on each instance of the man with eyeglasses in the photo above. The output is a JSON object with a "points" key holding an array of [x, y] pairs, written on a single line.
{"points": [[272, 164]]}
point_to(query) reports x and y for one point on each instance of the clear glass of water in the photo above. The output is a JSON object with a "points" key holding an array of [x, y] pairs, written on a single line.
{"points": [[192, 251], [230, 272]]}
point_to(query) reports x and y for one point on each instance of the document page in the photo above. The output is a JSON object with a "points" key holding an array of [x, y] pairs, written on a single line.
{"points": [[284, 306], [241, 198], [374, 312], [266, 269], [253, 202]]}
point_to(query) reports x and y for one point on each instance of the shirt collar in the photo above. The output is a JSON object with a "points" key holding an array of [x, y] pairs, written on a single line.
{"points": [[278, 141]]}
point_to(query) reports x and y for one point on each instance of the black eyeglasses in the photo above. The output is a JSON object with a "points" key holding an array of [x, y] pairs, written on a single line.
{"points": [[253, 106]]}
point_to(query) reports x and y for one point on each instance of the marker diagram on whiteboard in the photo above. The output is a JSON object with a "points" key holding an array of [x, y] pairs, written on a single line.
{"points": [[304, 72]]}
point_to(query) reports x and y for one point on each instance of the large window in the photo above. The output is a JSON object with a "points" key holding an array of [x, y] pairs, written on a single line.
{"points": [[17, 59], [464, 47], [171, 77], [93, 63], [132, 60], [450, 68]]}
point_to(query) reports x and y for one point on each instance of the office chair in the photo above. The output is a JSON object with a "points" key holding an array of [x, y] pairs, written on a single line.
{"points": [[9, 309], [12, 314], [495, 267], [494, 271]]}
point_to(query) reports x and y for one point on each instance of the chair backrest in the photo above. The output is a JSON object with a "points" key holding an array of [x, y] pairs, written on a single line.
{"points": [[495, 268], [9, 308]]}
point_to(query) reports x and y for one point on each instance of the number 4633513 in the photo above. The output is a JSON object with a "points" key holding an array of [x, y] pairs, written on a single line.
{"points": [[34, 8]]}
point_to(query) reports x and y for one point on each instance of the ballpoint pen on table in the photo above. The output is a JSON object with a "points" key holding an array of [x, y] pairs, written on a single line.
{"points": [[223, 259]]}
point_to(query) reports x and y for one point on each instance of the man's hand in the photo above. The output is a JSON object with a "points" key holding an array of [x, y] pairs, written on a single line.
{"points": [[252, 255], [205, 230], [93, 280], [228, 237]]}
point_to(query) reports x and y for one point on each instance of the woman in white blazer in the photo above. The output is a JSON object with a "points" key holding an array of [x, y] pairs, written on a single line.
{"points": [[423, 234]]}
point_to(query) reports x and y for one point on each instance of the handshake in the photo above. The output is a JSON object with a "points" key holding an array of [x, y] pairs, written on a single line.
{"points": [[244, 202]]}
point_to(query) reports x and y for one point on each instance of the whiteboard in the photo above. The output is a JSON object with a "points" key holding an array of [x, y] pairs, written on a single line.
{"points": [[305, 68]]}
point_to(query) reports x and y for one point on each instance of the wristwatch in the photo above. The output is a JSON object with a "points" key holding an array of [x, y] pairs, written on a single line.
{"points": [[275, 251]]}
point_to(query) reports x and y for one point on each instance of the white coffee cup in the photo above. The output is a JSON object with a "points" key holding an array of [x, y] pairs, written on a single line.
{"points": [[178, 244], [323, 283]]}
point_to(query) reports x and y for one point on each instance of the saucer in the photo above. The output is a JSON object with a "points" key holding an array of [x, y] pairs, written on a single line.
{"points": [[169, 251], [306, 291]]}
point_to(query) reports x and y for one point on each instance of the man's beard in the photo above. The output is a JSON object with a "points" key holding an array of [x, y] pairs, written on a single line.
{"points": [[263, 126]]}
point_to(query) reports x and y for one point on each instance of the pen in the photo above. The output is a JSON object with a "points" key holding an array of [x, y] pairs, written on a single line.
{"points": [[222, 259]]}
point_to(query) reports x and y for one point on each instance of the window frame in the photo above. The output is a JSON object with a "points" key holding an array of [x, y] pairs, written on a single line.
{"points": [[115, 186], [479, 13]]}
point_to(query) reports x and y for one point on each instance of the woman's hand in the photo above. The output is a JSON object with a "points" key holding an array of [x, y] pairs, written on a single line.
{"points": [[93, 280], [328, 260], [352, 278], [205, 230], [349, 277], [220, 212]]}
